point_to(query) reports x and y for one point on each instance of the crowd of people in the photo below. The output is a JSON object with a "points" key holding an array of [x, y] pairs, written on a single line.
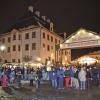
{"points": [[63, 77]]}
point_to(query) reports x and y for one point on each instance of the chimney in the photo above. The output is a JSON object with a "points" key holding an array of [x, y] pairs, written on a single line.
{"points": [[37, 13], [43, 17], [48, 20], [65, 35], [31, 9], [51, 26]]}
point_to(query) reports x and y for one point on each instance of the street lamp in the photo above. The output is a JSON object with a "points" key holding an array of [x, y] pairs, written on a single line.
{"points": [[2, 48]]}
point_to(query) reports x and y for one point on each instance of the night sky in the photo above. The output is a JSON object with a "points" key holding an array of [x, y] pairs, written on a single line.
{"points": [[68, 15]]}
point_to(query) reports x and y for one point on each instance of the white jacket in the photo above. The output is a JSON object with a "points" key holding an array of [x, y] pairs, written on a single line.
{"points": [[82, 75]]}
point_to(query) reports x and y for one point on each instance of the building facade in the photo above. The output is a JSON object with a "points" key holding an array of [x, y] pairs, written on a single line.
{"points": [[31, 38]]}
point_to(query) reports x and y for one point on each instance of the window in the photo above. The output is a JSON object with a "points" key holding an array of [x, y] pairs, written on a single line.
{"points": [[27, 36], [18, 47], [55, 41], [26, 47], [13, 60], [51, 39], [47, 37], [43, 35], [43, 45], [51, 47], [14, 37], [48, 48], [33, 34], [33, 46], [59, 41], [18, 60], [19, 37], [8, 50], [3, 40], [9, 39], [14, 47]]}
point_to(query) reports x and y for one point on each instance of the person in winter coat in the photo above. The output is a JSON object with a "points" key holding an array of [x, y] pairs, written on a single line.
{"points": [[18, 78], [67, 77], [12, 77], [39, 74], [31, 78], [53, 78], [82, 78], [60, 74], [4, 82], [76, 82], [72, 72]]}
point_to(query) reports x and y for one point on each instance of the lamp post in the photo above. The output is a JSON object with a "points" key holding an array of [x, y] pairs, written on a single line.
{"points": [[2, 48]]}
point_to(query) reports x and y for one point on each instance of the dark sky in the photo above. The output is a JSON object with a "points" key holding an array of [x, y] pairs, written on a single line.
{"points": [[68, 15]]}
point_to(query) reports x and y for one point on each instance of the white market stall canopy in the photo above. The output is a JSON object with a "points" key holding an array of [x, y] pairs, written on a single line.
{"points": [[81, 39]]}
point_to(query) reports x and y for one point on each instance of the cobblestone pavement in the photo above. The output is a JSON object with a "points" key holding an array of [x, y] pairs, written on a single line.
{"points": [[45, 92]]}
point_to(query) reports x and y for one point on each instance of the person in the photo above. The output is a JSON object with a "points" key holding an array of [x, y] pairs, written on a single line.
{"points": [[67, 77], [18, 78], [82, 79], [12, 77], [31, 78], [36, 80], [60, 78], [89, 78], [4, 82], [72, 72], [39, 74], [76, 82], [53, 78]]}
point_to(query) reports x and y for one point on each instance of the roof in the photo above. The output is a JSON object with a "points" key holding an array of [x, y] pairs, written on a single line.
{"points": [[88, 31], [30, 19]]}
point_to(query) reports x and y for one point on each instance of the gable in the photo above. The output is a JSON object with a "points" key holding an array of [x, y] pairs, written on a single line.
{"points": [[82, 35], [81, 39]]}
